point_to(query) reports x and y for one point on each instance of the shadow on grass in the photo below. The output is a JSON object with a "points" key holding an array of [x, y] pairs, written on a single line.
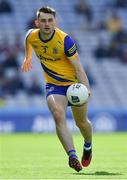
{"points": [[99, 173]]}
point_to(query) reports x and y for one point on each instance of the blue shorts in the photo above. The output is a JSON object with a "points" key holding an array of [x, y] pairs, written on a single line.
{"points": [[54, 89]]}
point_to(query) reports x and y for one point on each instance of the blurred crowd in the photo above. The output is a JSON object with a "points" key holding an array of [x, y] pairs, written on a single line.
{"points": [[11, 81], [110, 22]]}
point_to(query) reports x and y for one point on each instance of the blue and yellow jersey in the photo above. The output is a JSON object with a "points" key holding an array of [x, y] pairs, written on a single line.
{"points": [[55, 55]]}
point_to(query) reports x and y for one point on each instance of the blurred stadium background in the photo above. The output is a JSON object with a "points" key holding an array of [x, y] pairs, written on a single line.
{"points": [[99, 28]]}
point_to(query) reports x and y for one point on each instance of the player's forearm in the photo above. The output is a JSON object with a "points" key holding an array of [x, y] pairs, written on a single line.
{"points": [[28, 52], [82, 78]]}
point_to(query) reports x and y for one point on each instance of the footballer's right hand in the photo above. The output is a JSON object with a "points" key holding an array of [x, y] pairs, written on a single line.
{"points": [[27, 65]]}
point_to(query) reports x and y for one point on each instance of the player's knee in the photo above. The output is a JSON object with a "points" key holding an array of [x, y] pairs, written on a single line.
{"points": [[58, 114], [81, 124]]}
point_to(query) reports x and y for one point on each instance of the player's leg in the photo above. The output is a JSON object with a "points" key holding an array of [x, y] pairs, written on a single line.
{"points": [[57, 105], [82, 122]]}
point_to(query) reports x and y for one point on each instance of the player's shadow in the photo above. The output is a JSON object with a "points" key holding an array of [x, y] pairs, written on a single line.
{"points": [[99, 173]]}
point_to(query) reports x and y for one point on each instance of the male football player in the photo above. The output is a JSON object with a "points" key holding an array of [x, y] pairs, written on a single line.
{"points": [[60, 61]]}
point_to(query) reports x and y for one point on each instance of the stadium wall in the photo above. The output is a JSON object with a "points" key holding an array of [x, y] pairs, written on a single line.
{"points": [[40, 120]]}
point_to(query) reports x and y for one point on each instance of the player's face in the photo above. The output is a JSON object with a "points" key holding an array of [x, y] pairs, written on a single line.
{"points": [[46, 23]]}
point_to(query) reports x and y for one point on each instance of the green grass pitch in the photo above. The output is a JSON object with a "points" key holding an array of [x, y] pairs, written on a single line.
{"points": [[41, 156]]}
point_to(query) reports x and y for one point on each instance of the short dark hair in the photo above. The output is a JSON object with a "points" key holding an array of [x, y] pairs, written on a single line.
{"points": [[46, 9]]}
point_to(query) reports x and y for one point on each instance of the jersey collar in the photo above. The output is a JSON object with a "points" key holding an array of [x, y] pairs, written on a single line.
{"points": [[45, 41]]}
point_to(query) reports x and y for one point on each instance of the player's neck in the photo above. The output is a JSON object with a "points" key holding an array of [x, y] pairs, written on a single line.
{"points": [[46, 36]]}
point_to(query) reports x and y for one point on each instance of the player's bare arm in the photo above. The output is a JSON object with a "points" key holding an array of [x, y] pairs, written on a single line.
{"points": [[81, 75], [27, 64]]}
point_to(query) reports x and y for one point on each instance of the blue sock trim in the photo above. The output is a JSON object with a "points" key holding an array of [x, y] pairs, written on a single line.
{"points": [[73, 155], [71, 151], [87, 145]]}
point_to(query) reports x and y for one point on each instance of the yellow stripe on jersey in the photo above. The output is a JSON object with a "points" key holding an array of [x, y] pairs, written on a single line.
{"points": [[71, 50]]}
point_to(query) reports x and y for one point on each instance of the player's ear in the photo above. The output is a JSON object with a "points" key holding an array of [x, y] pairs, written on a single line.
{"points": [[36, 23]]}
